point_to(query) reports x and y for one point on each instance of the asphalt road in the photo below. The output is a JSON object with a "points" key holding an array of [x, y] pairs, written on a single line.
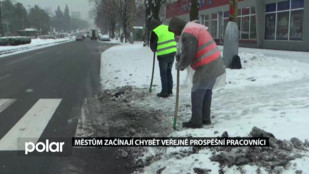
{"points": [[41, 94]]}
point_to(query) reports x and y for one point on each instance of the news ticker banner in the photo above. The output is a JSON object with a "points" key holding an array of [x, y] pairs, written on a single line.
{"points": [[169, 141], [64, 146]]}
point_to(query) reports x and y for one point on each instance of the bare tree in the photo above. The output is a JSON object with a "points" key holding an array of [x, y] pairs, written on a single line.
{"points": [[155, 7], [194, 10], [124, 16], [106, 15], [152, 10], [112, 15], [109, 12], [132, 8]]}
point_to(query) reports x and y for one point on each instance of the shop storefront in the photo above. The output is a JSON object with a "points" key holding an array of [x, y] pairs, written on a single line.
{"points": [[274, 24]]}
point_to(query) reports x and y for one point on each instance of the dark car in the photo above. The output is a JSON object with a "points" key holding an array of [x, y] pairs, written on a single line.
{"points": [[79, 38]]}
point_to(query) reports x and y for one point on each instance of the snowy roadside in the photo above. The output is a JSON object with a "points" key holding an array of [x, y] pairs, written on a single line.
{"points": [[269, 92], [35, 44], [112, 41]]}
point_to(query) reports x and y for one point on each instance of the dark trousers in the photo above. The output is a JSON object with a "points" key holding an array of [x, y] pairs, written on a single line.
{"points": [[166, 64], [201, 103]]}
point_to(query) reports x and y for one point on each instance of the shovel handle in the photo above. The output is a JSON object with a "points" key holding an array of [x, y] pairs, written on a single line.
{"points": [[153, 67], [177, 100]]}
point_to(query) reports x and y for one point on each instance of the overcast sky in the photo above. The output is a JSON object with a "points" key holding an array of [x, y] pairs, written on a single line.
{"points": [[83, 6]]}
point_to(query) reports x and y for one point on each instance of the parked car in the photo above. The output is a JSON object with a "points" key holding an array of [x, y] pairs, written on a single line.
{"points": [[79, 38], [104, 37]]}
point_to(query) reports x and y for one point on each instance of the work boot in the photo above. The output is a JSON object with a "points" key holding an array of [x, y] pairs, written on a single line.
{"points": [[191, 125], [206, 122], [170, 93], [163, 95]]}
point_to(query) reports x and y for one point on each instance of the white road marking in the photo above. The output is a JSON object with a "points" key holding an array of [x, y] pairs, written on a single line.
{"points": [[5, 76], [5, 103], [31, 125]]}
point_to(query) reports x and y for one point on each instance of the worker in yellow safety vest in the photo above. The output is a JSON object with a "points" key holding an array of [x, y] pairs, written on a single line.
{"points": [[164, 44]]}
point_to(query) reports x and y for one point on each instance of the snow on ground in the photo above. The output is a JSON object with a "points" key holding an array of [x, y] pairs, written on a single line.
{"points": [[270, 92], [112, 41], [35, 44]]}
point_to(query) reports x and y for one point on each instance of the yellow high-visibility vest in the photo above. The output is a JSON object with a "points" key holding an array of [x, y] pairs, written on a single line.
{"points": [[166, 40]]}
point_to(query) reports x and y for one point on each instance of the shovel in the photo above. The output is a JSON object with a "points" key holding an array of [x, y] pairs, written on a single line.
{"points": [[177, 101], [153, 67]]}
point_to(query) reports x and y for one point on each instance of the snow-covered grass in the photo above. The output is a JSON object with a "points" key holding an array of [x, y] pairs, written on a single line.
{"points": [[270, 92], [35, 44]]}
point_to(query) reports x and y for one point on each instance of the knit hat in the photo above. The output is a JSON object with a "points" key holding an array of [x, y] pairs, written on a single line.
{"points": [[176, 25]]}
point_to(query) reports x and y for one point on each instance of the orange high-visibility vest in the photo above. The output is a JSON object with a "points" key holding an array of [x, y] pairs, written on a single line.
{"points": [[207, 50]]}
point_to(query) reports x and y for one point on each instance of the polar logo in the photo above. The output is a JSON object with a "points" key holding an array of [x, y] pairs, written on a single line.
{"points": [[53, 147]]}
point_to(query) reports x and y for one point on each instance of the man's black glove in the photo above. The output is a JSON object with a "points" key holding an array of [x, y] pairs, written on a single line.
{"points": [[177, 57]]}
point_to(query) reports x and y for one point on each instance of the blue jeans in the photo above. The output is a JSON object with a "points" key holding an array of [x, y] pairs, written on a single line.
{"points": [[201, 103], [166, 64]]}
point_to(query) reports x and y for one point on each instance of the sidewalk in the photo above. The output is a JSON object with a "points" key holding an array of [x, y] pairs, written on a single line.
{"points": [[269, 92]]}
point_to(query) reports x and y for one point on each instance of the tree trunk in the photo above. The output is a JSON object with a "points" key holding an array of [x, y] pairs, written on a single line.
{"points": [[147, 18], [233, 10], [155, 8], [132, 17], [194, 10]]}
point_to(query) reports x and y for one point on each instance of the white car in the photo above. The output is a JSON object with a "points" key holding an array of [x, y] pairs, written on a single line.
{"points": [[104, 37]]}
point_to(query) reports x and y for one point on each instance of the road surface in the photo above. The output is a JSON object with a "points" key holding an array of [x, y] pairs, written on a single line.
{"points": [[41, 95]]}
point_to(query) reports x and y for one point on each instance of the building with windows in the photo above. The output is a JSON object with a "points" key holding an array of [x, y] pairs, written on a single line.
{"points": [[271, 24]]}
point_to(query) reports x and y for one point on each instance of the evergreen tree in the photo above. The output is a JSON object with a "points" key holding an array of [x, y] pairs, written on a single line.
{"points": [[58, 22], [39, 19], [67, 19], [7, 17], [21, 17]]}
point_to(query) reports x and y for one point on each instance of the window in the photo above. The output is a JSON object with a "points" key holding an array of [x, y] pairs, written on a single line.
{"points": [[245, 27], [206, 22], [247, 23], [282, 26], [285, 5], [271, 7], [202, 19], [297, 4], [252, 10], [252, 27], [214, 25], [270, 23], [239, 25], [296, 25], [284, 20], [225, 20]]}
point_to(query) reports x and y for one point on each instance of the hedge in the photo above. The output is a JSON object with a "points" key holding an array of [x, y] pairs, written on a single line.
{"points": [[4, 41]]}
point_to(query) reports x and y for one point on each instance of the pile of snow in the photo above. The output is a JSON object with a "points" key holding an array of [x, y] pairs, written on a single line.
{"points": [[35, 44], [276, 158], [270, 92]]}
